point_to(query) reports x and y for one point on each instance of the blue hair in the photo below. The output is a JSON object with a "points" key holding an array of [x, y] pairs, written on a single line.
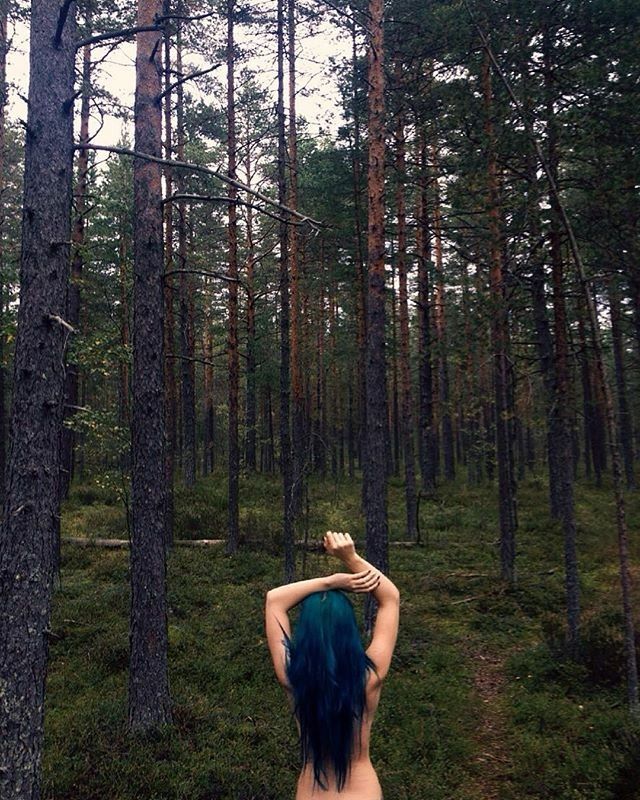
{"points": [[327, 669]]}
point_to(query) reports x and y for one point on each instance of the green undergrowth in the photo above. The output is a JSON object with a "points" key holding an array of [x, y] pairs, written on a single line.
{"points": [[567, 732]]}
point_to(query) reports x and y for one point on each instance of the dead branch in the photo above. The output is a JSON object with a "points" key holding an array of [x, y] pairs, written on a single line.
{"points": [[189, 77], [60, 321], [123, 33], [212, 198], [85, 541], [219, 275], [125, 151]]}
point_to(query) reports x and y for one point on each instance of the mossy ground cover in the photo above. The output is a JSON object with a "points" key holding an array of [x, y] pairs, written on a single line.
{"points": [[567, 734]]}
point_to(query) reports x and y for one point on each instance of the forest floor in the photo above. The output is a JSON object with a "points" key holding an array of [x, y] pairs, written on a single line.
{"points": [[480, 703]]}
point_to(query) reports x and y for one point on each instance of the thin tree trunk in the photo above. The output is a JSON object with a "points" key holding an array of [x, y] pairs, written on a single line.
{"points": [[565, 468], [394, 421], [377, 534], [77, 263], [30, 524], [544, 339], [361, 282], [499, 339], [208, 459], [187, 333], [297, 398], [423, 249], [123, 383], [405, 368], [625, 423], [232, 272], [250, 408], [149, 700], [286, 465], [3, 103], [171, 403], [441, 332]]}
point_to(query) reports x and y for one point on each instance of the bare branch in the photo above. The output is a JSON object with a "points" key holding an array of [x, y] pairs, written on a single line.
{"points": [[125, 151], [123, 33], [186, 17], [209, 274], [223, 199], [60, 321], [197, 74]]}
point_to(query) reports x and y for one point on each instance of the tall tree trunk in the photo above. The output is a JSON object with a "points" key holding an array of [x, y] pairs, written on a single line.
{"points": [[426, 430], [319, 438], [149, 700], [441, 332], [187, 325], [297, 398], [31, 507], [544, 339], [3, 103], [561, 370], [208, 456], [394, 421], [286, 465], [232, 272], [250, 408], [361, 282], [405, 367], [123, 383], [625, 423], [499, 339], [171, 403], [77, 262], [377, 534]]}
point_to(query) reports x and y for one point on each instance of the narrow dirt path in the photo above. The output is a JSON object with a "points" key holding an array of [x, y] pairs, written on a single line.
{"points": [[492, 762]]}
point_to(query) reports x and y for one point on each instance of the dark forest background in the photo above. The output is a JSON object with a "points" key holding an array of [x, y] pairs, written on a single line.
{"points": [[237, 328]]}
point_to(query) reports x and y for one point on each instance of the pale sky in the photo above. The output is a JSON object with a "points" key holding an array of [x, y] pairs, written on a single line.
{"points": [[320, 108]]}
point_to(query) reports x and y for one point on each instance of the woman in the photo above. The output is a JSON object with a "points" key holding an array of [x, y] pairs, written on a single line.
{"points": [[332, 683]]}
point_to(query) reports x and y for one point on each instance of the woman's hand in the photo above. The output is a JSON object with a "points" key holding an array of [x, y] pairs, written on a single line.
{"points": [[358, 582], [340, 545]]}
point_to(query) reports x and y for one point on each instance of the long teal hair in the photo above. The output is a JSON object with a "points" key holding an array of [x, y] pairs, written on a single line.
{"points": [[327, 669]]}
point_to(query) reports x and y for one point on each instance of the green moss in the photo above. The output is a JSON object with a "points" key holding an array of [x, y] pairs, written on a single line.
{"points": [[566, 730]]}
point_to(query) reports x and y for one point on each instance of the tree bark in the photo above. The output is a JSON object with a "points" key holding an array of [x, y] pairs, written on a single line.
{"points": [[426, 423], [171, 401], [77, 263], [297, 398], [405, 366], [208, 450], [30, 525], [186, 294], [3, 103], [499, 338], [565, 497], [149, 700], [377, 534], [123, 383], [441, 331], [625, 422], [251, 397], [232, 272], [286, 465]]}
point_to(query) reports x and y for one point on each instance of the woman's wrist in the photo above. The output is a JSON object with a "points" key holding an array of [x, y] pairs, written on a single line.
{"points": [[353, 562]]}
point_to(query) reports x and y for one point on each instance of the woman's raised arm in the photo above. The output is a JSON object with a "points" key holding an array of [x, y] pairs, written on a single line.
{"points": [[283, 598], [385, 631]]}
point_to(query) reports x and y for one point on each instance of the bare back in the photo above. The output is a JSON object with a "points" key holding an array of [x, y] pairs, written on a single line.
{"points": [[362, 781]]}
